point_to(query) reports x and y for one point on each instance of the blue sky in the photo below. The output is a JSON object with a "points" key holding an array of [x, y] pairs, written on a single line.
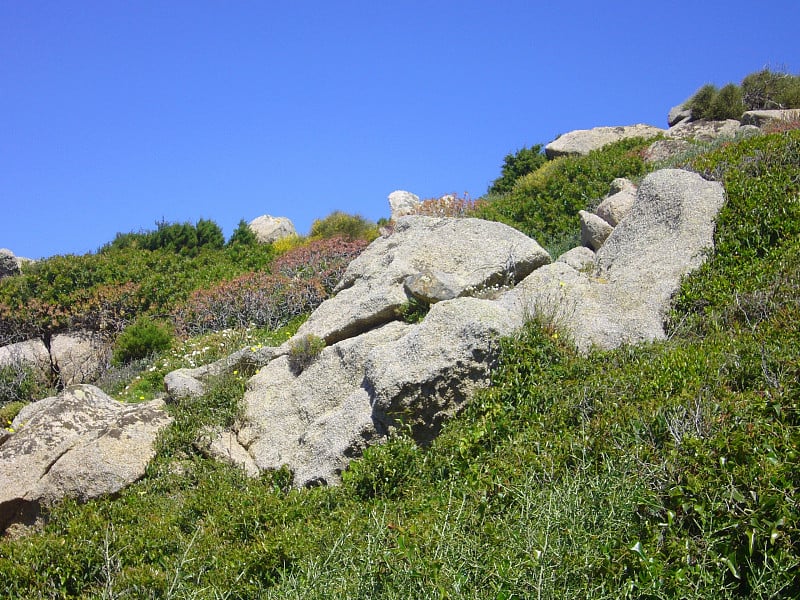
{"points": [[115, 115]]}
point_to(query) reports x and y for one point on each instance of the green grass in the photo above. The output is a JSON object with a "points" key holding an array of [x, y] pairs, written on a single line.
{"points": [[668, 470]]}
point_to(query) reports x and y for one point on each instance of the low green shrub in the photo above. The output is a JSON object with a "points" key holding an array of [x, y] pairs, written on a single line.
{"points": [[141, 339], [305, 351], [343, 225], [523, 161]]}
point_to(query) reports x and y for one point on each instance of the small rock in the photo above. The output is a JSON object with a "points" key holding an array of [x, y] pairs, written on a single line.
{"points": [[594, 230], [270, 229]]}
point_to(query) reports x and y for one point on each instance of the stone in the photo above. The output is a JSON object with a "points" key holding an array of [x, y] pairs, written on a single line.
{"points": [[760, 118], [662, 151], [583, 141], [579, 258], [403, 203], [430, 286], [30, 354], [8, 263], [475, 255], [703, 130], [80, 444], [678, 113], [270, 229], [625, 298], [79, 356], [618, 203], [594, 230]]}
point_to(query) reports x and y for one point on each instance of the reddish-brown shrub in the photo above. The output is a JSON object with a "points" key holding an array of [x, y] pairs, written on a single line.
{"points": [[448, 206]]}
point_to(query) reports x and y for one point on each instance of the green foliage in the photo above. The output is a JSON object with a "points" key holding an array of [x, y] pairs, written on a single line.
{"points": [[304, 351], [767, 89], [183, 238], [19, 383], [8, 410], [761, 90], [243, 235], [141, 339], [522, 162], [414, 311], [341, 224], [544, 204]]}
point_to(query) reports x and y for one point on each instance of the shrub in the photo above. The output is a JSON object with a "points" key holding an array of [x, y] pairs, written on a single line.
{"points": [[140, 340], [767, 89], [700, 104], [243, 235], [340, 224], [515, 165], [304, 351], [447, 206], [323, 259], [727, 104]]}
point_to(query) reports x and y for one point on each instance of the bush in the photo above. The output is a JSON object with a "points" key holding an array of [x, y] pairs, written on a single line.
{"points": [[766, 89], [700, 104], [140, 340], [522, 162], [243, 235], [544, 204], [727, 104], [349, 227]]}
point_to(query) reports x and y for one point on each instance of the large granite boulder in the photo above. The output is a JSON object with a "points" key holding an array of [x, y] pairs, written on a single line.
{"points": [[470, 255], [583, 141], [79, 356], [80, 444], [703, 130], [625, 298], [403, 203], [270, 229], [618, 203], [31, 355]]}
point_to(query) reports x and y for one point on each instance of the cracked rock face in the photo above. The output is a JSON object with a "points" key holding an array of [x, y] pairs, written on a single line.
{"points": [[80, 444]]}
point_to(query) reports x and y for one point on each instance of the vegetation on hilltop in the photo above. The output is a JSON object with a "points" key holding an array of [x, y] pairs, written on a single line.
{"points": [[763, 90], [663, 471]]}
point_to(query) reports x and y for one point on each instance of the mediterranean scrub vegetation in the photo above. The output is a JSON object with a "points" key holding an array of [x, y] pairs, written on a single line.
{"points": [[763, 90], [668, 470]]}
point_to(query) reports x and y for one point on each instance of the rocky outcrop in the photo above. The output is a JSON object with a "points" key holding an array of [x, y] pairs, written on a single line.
{"points": [[618, 203], [79, 356], [703, 130], [594, 230], [624, 299], [8, 263], [470, 255], [270, 229], [378, 372], [583, 141], [678, 114], [760, 118], [30, 355], [80, 444], [403, 203]]}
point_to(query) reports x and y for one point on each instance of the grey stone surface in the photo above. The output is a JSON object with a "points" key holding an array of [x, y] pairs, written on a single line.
{"points": [[30, 354], [403, 203], [618, 203], [678, 113], [80, 444], [474, 254], [664, 150], [703, 130], [270, 229], [583, 141], [594, 230], [79, 356], [760, 118], [579, 258], [8, 263], [625, 298]]}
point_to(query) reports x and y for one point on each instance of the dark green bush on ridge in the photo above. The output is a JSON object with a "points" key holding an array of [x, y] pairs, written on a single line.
{"points": [[143, 338], [521, 162]]}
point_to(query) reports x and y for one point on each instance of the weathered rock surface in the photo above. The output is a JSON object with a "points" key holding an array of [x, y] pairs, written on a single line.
{"points": [[31, 354], [474, 254], [80, 444], [594, 230], [759, 118], [678, 113], [583, 141], [270, 229], [8, 263], [663, 150], [79, 356], [637, 270], [579, 258], [703, 130], [618, 203], [403, 203]]}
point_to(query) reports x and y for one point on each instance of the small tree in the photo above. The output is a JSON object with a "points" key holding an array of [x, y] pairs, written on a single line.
{"points": [[242, 235]]}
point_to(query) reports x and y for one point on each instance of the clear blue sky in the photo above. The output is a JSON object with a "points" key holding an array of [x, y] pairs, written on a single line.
{"points": [[117, 114]]}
